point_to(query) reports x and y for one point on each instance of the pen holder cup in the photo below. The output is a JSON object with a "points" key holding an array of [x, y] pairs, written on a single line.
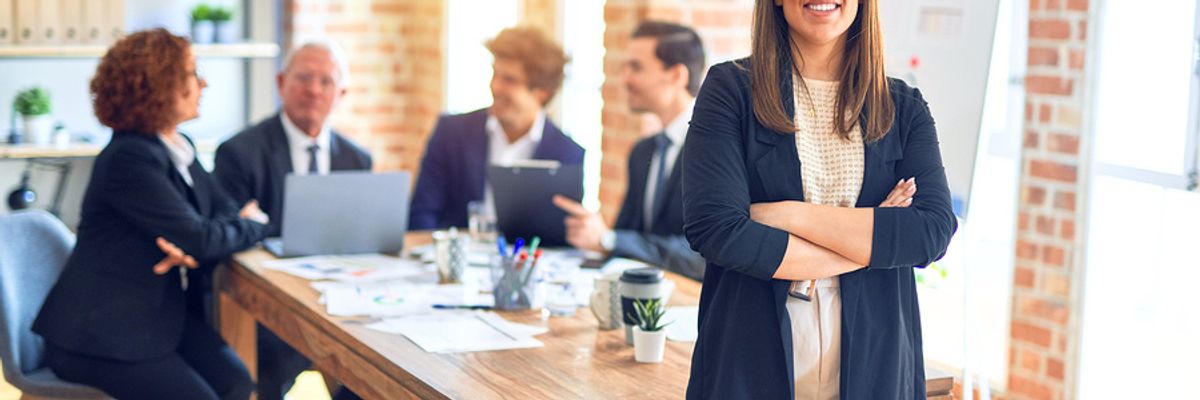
{"points": [[515, 287]]}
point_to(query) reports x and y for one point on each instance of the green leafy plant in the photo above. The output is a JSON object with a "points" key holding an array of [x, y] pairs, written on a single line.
{"points": [[931, 275], [32, 102], [201, 12], [649, 314], [221, 14]]}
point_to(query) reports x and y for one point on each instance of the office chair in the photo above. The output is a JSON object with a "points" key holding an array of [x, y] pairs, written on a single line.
{"points": [[34, 246]]}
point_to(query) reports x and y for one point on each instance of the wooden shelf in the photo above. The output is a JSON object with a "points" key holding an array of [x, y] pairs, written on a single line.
{"points": [[231, 50], [78, 149], [25, 151]]}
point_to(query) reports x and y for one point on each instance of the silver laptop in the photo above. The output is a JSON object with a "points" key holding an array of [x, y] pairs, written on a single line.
{"points": [[343, 213]]}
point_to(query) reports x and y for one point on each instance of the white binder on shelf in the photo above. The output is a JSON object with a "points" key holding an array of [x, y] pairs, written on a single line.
{"points": [[26, 21], [93, 21], [114, 20], [6, 22], [70, 17], [49, 24]]}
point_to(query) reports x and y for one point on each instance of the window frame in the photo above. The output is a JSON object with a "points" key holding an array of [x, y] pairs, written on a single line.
{"points": [[1188, 177]]}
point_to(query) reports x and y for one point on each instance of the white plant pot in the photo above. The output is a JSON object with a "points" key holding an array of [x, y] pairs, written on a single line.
{"points": [[39, 129], [202, 32], [226, 32], [648, 346]]}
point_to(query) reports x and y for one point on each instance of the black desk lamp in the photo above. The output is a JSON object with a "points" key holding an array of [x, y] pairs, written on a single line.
{"points": [[23, 196]]}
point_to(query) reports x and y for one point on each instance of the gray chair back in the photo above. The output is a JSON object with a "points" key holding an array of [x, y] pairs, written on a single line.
{"points": [[34, 246]]}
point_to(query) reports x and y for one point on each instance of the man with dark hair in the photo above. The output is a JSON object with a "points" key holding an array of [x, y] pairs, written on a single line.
{"points": [[526, 73], [661, 77]]}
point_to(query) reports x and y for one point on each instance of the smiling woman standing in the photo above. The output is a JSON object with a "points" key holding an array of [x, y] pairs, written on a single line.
{"points": [[800, 190]]}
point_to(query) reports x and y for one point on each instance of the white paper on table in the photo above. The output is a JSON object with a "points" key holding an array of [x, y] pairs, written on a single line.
{"points": [[395, 299], [683, 327], [360, 268], [455, 332]]}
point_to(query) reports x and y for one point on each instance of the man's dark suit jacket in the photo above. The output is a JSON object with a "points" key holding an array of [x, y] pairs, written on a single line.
{"points": [[455, 167], [254, 163], [108, 302], [664, 244]]}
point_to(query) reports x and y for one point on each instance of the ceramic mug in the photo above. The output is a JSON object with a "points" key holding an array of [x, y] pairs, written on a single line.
{"points": [[605, 301]]}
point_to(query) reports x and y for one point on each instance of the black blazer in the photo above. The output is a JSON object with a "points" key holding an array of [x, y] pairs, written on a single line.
{"points": [[454, 168], [730, 161], [108, 302], [254, 164], [664, 245]]}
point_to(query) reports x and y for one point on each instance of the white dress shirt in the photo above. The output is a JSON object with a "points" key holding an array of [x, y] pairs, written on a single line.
{"points": [[182, 155], [502, 152], [298, 143], [677, 132]]}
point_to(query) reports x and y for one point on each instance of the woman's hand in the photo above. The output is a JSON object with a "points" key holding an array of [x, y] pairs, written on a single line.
{"points": [[175, 257], [251, 212], [901, 195]]}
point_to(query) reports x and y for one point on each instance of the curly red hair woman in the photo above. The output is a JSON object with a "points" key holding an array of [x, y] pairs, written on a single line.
{"points": [[116, 319]]}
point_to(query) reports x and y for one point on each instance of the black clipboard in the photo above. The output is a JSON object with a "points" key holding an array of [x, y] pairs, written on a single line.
{"points": [[524, 199]]}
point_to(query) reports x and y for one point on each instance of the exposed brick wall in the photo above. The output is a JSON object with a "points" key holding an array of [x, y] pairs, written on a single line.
{"points": [[1044, 331], [543, 14], [395, 51], [723, 25], [546, 15]]}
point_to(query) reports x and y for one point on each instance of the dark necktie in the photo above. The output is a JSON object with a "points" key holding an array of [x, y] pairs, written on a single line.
{"points": [[312, 159], [662, 143]]}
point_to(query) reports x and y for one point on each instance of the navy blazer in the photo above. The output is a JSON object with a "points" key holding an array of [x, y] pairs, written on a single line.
{"points": [[663, 244], [254, 164], [108, 302], [730, 161], [454, 168]]}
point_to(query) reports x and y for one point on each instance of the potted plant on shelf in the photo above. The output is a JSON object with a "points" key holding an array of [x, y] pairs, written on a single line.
{"points": [[221, 17], [202, 24], [33, 105], [649, 337]]}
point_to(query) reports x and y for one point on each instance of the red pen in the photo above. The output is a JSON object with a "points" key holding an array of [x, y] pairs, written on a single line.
{"points": [[529, 274], [519, 261]]}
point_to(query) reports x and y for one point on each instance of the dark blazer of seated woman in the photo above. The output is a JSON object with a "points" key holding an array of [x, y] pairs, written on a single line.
{"points": [[731, 161], [108, 301]]}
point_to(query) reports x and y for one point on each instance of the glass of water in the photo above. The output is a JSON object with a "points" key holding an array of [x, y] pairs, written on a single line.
{"points": [[560, 289], [481, 222]]}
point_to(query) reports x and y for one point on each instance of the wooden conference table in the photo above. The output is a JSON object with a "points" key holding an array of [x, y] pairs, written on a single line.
{"points": [[577, 361]]}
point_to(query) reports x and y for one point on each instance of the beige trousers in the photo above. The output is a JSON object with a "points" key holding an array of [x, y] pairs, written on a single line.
{"points": [[817, 341]]}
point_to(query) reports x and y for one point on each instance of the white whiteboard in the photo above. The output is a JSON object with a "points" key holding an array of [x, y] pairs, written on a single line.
{"points": [[944, 48]]}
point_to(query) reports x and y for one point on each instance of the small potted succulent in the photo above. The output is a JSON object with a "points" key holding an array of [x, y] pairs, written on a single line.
{"points": [[33, 105], [202, 24], [221, 17], [649, 337]]}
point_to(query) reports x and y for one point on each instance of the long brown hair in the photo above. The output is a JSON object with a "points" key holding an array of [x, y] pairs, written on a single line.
{"points": [[864, 86]]}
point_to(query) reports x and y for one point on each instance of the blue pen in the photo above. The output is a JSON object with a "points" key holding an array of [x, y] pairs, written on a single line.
{"points": [[517, 246], [502, 245], [460, 307]]}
